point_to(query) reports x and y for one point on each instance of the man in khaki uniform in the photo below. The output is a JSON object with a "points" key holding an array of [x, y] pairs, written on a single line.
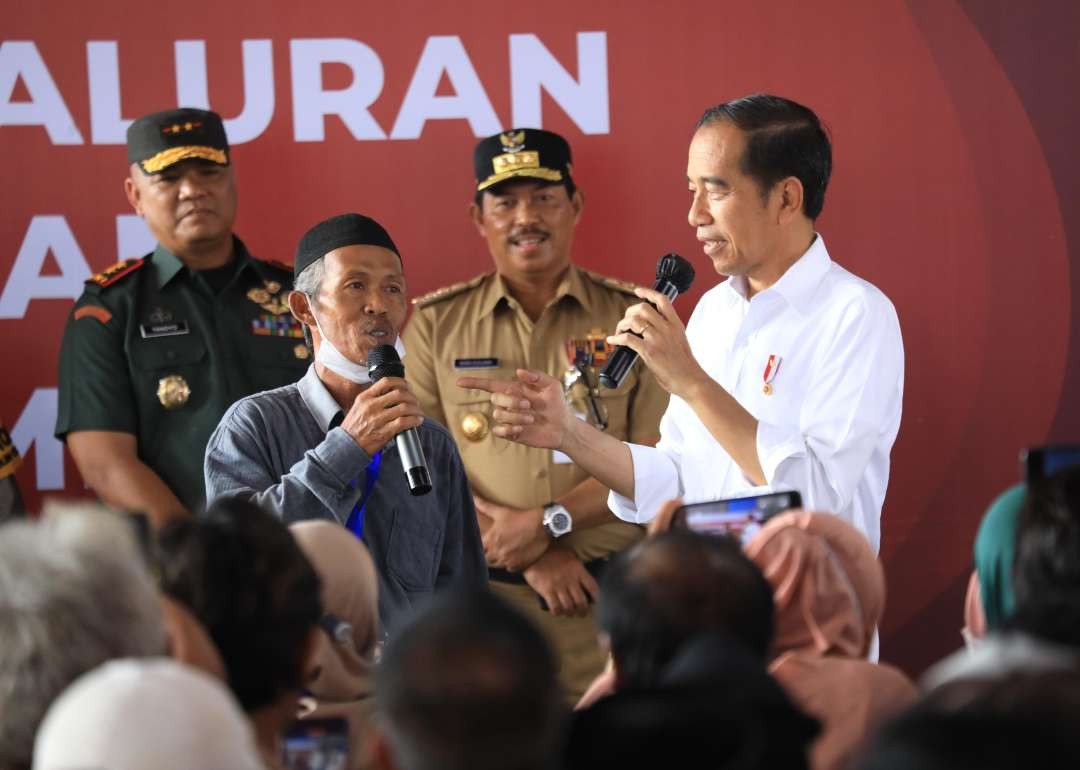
{"points": [[546, 525]]}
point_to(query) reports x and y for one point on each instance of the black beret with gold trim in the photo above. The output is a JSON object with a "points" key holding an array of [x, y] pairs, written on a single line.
{"points": [[160, 140], [522, 152]]}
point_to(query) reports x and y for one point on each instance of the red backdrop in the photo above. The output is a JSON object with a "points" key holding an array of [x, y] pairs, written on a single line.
{"points": [[951, 167]]}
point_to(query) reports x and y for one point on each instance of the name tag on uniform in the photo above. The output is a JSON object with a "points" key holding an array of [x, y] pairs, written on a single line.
{"points": [[149, 331], [476, 363]]}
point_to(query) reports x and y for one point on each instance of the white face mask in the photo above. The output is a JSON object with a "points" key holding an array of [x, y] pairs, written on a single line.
{"points": [[329, 356]]}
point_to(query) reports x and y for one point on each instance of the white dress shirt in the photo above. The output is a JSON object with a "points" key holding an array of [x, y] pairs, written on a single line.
{"points": [[829, 422]]}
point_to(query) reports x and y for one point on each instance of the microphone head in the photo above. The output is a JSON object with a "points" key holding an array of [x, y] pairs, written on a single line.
{"points": [[384, 361], [676, 270]]}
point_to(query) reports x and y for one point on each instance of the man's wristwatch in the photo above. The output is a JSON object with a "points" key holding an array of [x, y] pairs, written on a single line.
{"points": [[557, 520]]}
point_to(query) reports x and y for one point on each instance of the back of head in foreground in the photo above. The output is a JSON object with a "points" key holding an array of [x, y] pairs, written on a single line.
{"points": [[468, 684], [74, 593], [244, 577], [666, 590], [140, 714]]}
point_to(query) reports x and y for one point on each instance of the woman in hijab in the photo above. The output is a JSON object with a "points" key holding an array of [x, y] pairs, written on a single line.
{"points": [[345, 654], [829, 591]]}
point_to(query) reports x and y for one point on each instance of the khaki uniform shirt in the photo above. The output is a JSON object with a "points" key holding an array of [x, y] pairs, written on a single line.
{"points": [[478, 329], [151, 350]]}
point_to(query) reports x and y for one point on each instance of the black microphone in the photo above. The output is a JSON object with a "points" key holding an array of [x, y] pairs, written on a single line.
{"points": [[383, 361], [673, 277]]}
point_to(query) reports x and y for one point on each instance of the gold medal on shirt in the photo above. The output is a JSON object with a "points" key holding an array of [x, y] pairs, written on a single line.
{"points": [[173, 392], [301, 351], [475, 426], [268, 298], [771, 368]]}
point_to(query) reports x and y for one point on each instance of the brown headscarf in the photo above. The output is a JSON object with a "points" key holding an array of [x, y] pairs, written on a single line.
{"points": [[342, 687], [829, 590]]}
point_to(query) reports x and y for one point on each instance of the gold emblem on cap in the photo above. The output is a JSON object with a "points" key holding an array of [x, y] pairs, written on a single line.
{"points": [[301, 351], [513, 141], [173, 392], [474, 425]]}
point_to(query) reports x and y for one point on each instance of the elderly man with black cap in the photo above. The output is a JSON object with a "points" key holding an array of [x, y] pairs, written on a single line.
{"points": [[323, 447], [547, 528], [157, 348]]}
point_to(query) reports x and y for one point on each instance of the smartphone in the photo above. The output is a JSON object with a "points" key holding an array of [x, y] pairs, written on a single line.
{"points": [[317, 744], [739, 517], [1040, 462]]}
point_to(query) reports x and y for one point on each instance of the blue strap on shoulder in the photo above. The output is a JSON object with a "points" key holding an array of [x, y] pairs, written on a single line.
{"points": [[355, 522]]}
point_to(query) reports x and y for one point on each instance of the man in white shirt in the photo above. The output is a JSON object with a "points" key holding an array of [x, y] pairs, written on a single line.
{"points": [[788, 376]]}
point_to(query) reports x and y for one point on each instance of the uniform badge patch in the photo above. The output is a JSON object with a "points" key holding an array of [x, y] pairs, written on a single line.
{"points": [[96, 312], [277, 326], [173, 391]]}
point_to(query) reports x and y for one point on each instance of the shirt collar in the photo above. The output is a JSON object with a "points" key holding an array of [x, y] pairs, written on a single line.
{"points": [[798, 284], [496, 291], [168, 265], [317, 399]]}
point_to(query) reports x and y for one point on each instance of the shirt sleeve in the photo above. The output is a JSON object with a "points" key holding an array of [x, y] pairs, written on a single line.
{"points": [[647, 405], [852, 401], [237, 463], [462, 559], [656, 474], [95, 390], [419, 342]]}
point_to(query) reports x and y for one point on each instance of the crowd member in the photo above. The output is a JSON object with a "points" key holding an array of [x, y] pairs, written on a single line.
{"points": [[322, 448], [11, 502], [659, 594], [713, 705], [73, 594], [829, 591], [139, 714], [789, 374], [244, 577], [544, 520], [345, 652], [469, 684], [1043, 631], [989, 600], [157, 348]]}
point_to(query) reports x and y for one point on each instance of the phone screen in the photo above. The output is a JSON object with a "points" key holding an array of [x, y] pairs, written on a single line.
{"points": [[739, 517], [1041, 462], [317, 744]]}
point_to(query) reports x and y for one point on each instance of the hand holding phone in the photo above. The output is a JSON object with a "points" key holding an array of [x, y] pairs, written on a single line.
{"points": [[739, 517]]}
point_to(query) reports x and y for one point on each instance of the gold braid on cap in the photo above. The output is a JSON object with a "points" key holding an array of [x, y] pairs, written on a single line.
{"points": [[166, 158], [519, 164]]}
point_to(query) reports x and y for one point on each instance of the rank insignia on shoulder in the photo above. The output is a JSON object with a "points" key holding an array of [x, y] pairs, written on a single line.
{"points": [[111, 275], [447, 292]]}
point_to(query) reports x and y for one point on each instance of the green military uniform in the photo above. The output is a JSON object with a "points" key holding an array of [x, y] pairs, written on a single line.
{"points": [[478, 329], [150, 349]]}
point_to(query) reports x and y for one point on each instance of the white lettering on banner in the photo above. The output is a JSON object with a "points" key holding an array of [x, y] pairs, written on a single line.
{"points": [[46, 233], [312, 103], [21, 59], [192, 89], [34, 428], [107, 123], [445, 53], [133, 237], [532, 68]]}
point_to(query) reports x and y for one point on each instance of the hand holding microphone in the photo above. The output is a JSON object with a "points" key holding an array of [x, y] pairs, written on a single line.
{"points": [[674, 275], [384, 362]]}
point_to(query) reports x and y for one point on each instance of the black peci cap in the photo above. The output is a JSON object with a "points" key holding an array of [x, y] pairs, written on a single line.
{"points": [[160, 140], [524, 152], [335, 232]]}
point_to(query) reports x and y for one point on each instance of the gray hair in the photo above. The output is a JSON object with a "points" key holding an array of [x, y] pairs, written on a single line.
{"points": [[310, 279], [74, 593]]}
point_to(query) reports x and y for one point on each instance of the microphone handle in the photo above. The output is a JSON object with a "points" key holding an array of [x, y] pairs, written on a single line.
{"points": [[412, 460], [622, 360]]}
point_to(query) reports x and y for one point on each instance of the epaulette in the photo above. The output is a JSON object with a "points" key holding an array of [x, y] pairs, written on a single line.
{"points": [[447, 292], [612, 283], [283, 266], [114, 274]]}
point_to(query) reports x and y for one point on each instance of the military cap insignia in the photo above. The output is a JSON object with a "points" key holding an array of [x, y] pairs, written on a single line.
{"points": [[177, 128], [173, 391], [111, 275], [9, 454], [513, 141]]}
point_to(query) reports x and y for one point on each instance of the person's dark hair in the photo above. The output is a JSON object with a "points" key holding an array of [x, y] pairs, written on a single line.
{"points": [[470, 684], [568, 183], [783, 139], [244, 577], [1046, 575], [667, 589]]}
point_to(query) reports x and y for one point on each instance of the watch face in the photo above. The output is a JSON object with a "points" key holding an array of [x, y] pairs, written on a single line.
{"points": [[560, 522]]}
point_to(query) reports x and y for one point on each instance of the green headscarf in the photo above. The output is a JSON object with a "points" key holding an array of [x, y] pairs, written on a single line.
{"points": [[995, 553]]}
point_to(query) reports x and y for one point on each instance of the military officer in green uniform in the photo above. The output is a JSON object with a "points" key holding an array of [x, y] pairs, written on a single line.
{"points": [[546, 525], [157, 348]]}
